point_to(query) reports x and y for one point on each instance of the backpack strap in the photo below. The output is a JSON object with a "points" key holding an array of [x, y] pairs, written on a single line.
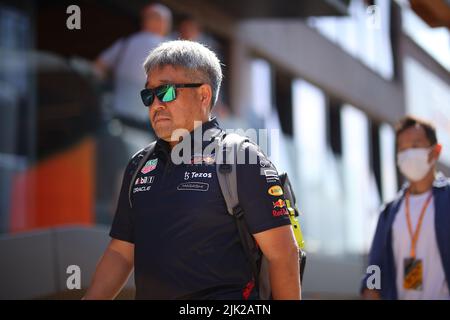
{"points": [[226, 168], [229, 146], [146, 153]]}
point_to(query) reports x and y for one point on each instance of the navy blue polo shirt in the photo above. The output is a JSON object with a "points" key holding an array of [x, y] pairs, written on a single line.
{"points": [[186, 244]]}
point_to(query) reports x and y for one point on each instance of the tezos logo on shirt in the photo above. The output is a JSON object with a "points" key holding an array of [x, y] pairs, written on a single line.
{"points": [[193, 174]]}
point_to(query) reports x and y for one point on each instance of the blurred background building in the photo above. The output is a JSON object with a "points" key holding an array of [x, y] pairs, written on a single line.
{"points": [[332, 76]]}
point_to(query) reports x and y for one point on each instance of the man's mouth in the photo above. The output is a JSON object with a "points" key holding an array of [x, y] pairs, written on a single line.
{"points": [[160, 118]]}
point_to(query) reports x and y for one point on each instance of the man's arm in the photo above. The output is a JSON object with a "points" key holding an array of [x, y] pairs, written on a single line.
{"points": [[268, 221], [112, 271], [370, 294], [109, 59], [376, 255], [101, 68], [281, 250]]}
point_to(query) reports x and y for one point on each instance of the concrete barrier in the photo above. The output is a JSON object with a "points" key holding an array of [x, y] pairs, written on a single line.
{"points": [[33, 265]]}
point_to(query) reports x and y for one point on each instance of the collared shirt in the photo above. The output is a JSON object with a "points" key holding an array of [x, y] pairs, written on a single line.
{"points": [[186, 244]]}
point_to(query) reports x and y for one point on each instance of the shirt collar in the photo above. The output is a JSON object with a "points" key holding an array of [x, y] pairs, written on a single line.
{"points": [[440, 181]]}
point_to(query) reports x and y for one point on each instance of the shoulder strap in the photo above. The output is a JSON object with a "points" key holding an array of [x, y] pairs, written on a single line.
{"points": [[226, 166], [145, 155], [229, 145]]}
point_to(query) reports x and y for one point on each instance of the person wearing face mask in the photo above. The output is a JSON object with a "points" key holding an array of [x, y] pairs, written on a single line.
{"points": [[411, 245]]}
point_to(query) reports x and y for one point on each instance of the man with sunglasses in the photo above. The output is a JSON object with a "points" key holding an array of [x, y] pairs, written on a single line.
{"points": [[173, 228], [411, 246]]}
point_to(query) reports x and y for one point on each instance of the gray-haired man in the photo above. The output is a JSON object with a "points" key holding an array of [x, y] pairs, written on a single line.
{"points": [[174, 229]]}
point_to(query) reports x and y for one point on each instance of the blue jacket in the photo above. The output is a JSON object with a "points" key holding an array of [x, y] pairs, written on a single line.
{"points": [[381, 253]]}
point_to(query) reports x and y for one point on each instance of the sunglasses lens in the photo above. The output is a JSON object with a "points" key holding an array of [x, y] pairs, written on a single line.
{"points": [[166, 93], [147, 97]]}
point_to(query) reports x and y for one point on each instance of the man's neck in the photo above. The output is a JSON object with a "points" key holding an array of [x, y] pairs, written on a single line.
{"points": [[197, 123], [422, 186], [152, 32]]}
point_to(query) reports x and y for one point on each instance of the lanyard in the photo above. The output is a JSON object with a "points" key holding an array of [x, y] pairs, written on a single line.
{"points": [[415, 236]]}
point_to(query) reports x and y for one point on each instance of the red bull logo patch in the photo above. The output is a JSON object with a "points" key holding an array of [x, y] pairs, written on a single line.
{"points": [[280, 212], [280, 203]]}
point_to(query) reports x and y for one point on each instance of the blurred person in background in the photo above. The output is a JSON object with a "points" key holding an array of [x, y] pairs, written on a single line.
{"points": [[190, 29], [123, 62], [411, 245]]}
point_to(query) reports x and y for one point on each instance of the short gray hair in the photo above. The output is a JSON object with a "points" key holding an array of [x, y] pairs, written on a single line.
{"points": [[192, 56]]}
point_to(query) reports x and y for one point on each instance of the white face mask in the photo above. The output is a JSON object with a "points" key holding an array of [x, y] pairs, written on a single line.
{"points": [[413, 163]]}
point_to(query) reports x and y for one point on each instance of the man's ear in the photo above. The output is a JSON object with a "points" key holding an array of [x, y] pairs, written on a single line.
{"points": [[206, 96], [435, 152]]}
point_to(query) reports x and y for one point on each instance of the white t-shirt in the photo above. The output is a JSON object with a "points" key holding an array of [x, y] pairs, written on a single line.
{"points": [[126, 57], [434, 283]]}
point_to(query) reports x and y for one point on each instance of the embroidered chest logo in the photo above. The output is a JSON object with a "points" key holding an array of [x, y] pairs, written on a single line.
{"points": [[149, 166], [144, 180], [193, 186]]}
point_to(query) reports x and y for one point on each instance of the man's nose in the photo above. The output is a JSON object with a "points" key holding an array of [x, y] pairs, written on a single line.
{"points": [[156, 106]]}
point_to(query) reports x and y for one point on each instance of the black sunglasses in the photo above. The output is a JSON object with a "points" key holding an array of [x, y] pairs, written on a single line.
{"points": [[165, 92]]}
